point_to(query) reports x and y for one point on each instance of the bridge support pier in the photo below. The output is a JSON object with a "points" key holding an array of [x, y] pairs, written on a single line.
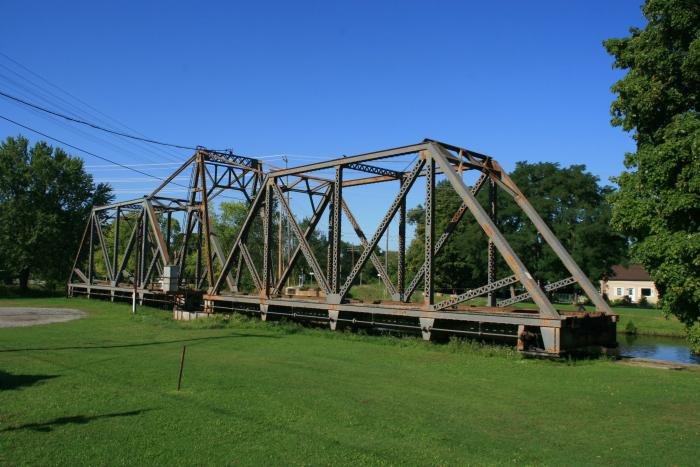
{"points": [[426, 326], [333, 319], [551, 338]]}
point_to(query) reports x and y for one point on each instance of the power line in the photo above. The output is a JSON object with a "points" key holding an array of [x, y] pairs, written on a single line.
{"points": [[92, 125], [77, 99], [101, 157], [76, 109], [82, 150]]}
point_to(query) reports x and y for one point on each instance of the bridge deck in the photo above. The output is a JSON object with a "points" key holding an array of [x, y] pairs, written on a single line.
{"points": [[572, 331]]}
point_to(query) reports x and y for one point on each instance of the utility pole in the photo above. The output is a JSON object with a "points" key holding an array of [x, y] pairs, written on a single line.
{"points": [[352, 249]]}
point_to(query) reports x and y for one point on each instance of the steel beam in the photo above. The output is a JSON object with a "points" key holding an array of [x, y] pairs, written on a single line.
{"points": [[161, 245], [204, 220], [252, 212], [371, 156], [305, 248], [376, 261], [115, 252], [482, 217], [548, 288], [374, 170], [103, 246], [127, 252], [313, 222], [80, 248], [337, 225], [266, 281], [383, 224], [554, 243], [491, 259], [468, 295], [428, 286], [401, 253], [456, 217]]}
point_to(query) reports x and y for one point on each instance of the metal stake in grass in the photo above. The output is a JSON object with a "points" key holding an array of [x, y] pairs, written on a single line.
{"points": [[182, 364]]}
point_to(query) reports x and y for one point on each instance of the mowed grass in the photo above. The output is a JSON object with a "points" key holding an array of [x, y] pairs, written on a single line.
{"points": [[642, 321], [101, 390]]}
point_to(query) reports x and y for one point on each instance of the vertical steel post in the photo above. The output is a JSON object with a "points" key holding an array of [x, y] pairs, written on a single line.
{"points": [[336, 219], [198, 271], [279, 243], [204, 221], [168, 232], [137, 262], [267, 240], [91, 258], [144, 245], [115, 252], [329, 253], [493, 214], [428, 289], [401, 261]]}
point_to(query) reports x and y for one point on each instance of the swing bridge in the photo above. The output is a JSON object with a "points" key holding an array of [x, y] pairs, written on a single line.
{"points": [[169, 250]]}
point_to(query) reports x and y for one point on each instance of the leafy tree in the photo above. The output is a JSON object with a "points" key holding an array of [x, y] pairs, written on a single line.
{"points": [[658, 203], [230, 218], [45, 199], [568, 199]]}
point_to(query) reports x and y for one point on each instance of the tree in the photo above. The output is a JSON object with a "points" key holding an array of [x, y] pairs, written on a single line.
{"points": [[658, 202], [45, 199], [569, 199], [230, 219]]}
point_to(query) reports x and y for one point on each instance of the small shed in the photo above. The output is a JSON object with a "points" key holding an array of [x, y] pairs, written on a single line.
{"points": [[631, 281]]}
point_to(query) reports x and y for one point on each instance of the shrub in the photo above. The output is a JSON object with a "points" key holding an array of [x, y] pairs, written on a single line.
{"points": [[630, 328], [624, 301], [694, 337]]}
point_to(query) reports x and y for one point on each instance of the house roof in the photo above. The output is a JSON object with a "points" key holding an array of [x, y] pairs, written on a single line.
{"points": [[633, 272]]}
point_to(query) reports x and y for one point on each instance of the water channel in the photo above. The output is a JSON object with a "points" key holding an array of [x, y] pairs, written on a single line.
{"points": [[672, 349]]}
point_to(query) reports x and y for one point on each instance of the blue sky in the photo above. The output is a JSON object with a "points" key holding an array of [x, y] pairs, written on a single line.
{"points": [[516, 80]]}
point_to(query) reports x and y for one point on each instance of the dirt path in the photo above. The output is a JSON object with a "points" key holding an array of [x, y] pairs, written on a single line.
{"points": [[11, 317]]}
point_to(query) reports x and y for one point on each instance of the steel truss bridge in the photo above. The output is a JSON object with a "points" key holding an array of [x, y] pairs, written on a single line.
{"points": [[131, 248]]}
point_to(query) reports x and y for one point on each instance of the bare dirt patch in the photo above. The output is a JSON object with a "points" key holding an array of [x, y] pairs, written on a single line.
{"points": [[11, 317]]}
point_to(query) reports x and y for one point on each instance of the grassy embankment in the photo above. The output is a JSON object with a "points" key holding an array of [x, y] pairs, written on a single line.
{"points": [[101, 390]]}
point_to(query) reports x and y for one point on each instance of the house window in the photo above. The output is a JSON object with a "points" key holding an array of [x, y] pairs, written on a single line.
{"points": [[647, 293], [618, 291], [630, 292]]}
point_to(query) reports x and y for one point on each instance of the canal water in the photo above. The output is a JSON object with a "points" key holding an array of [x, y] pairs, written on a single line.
{"points": [[672, 349]]}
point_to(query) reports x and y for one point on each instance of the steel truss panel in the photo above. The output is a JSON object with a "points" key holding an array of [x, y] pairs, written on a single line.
{"points": [[134, 265]]}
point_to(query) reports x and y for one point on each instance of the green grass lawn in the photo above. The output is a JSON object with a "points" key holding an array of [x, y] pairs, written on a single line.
{"points": [[645, 321], [101, 390]]}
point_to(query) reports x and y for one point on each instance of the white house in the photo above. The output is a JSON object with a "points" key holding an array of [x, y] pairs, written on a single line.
{"points": [[632, 281]]}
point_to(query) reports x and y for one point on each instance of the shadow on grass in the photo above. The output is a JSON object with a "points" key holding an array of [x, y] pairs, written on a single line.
{"points": [[76, 419], [8, 381], [12, 291], [138, 344]]}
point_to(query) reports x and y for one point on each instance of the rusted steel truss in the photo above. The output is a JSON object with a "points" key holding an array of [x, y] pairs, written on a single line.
{"points": [[141, 244]]}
